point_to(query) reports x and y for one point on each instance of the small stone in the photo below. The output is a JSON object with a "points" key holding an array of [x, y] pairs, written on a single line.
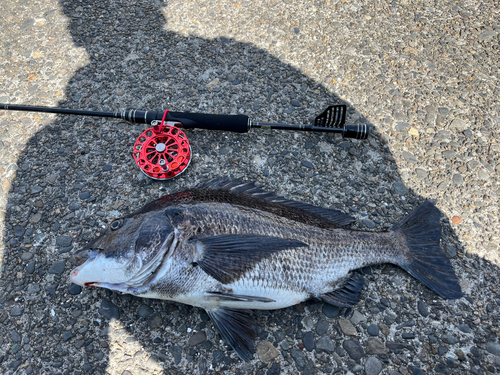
{"points": [[375, 347], [458, 179], [493, 348], [325, 344], [74, 289], [416, 370], [308, 341], [443, 111], [35, 218], [449, 339], [30, 268], [26, 256], [177, 353], [421, 173], [373, 366], [422, 308], [145, 311], [57, 268], [295, 103], [84, 195], [347, 328], [400, 188], [357, 318], [322, 327], [107, 167], [33, 288], [373, 330], [15, 336], [464, 328], [197, 338], [64, 241], [455, 220], [74, 206], [458, 124], [487, 35], [109, 310], [16, 311], [266, 351], [409, 157], [299, 358], [36, 189], [155, 321], [308, 164], [330, 311], [442, 350], [354, 349], [19, 231], [51, 289], [67, 336], [368, 223], [408, 335]]}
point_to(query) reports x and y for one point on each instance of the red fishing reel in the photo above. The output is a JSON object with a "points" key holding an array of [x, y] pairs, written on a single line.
{"points": [[162, 151]]}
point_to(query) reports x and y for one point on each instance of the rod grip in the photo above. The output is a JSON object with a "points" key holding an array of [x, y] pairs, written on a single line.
{"points": [[358, 131], [232, 123]]}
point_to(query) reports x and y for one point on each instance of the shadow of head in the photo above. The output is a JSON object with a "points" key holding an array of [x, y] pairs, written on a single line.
{"points": [[73, 180]]}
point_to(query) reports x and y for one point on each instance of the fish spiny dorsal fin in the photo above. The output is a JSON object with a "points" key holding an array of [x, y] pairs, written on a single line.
{"points": [[334, 217], [227, 257], [237, 328]]}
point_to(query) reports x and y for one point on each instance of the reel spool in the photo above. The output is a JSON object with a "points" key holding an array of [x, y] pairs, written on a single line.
{"points": [[162, 151]]}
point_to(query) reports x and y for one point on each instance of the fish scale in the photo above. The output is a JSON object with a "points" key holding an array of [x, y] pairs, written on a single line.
{"points": [[228, 246]]}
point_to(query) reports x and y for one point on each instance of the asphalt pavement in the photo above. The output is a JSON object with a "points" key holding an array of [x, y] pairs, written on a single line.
{"points": [[424, 75]]}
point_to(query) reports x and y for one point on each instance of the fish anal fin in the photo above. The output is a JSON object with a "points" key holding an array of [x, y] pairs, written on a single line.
{"points": [[348, 294], [227, 257], [237, 329]]}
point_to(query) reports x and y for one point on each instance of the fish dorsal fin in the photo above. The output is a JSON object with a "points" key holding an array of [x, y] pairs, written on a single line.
{"points": [[227, 257], [237, 328], [334, 217], [348, 294], [221, 296]]}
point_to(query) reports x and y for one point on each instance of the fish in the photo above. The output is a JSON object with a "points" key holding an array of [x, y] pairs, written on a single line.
{"points": [[229, 247]]}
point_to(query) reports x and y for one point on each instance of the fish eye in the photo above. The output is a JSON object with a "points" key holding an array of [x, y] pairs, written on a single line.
{"points": [[115, 224]]}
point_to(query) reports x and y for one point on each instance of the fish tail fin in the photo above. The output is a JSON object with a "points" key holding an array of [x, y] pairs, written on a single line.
{"points": [[425, 259]]}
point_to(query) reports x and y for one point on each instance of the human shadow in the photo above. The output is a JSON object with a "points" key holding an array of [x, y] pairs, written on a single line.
{"points": [[74, 179]]}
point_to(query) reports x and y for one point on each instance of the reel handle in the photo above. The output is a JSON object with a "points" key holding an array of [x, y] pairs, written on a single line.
{"points": [[233, 123]]}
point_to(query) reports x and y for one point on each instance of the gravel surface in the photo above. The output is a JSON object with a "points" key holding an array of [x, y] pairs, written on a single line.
{"points": [[424, 74]]}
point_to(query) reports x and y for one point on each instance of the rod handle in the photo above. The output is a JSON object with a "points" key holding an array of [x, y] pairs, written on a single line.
{"points": [[357, 131], [232, 123]]}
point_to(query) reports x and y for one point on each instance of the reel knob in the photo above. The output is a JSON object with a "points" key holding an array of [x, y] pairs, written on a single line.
{"points": [[162, 152]]}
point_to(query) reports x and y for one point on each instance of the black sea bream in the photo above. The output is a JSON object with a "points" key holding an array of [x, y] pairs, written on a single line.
{"points": [[227, 246]]}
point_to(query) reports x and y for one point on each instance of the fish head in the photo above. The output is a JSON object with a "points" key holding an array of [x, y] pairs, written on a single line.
{"points": [[127, 254]]}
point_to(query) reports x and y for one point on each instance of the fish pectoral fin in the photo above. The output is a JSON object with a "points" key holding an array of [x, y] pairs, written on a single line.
{"points": [[227, 257], [221, 296], [237, 329], [348, 294]]}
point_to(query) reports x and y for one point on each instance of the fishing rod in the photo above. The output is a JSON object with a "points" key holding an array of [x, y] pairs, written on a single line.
{"points": [[163, 151]]}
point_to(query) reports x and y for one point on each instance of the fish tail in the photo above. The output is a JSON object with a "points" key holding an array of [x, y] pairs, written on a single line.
{"points": [[425, 259]]}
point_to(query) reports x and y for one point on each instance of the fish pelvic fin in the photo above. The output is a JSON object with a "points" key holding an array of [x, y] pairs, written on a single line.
{"points": [[348, 294], [237, 328], [425, 259]]}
